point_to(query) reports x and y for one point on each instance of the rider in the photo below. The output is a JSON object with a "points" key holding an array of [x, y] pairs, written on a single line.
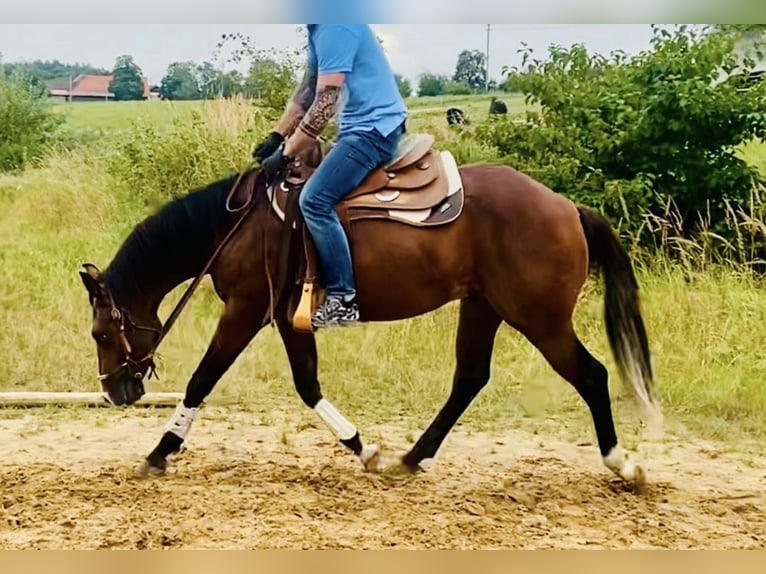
{"points": [[346, 71]]}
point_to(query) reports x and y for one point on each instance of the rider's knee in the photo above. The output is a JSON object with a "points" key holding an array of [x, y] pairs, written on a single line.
{"points": [[310, 205]]}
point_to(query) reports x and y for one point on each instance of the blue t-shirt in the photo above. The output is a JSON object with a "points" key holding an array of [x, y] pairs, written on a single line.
{"points": [[369, 98]]}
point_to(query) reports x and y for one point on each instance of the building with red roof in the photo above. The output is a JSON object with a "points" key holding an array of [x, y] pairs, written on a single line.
{"points": [[90, 87]]}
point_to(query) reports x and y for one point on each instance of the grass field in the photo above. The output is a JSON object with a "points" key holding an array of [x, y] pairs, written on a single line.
{"points": [[111, 117], [705, 328]]}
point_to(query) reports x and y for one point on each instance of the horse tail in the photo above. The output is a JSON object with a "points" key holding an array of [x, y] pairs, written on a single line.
{"points": [[624, 323]]}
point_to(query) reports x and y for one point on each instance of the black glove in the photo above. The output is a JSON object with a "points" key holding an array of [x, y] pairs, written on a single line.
{"points": [[268, 146], [275, 163]]}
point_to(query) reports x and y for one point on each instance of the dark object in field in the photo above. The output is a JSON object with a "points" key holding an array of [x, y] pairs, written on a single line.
{"points": [[455, 116], [498, 107]]}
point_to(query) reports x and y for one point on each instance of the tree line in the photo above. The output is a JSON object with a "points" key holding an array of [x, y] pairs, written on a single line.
{"points": [[268, 71]]}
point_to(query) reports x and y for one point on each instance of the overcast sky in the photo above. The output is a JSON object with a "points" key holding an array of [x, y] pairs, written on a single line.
{"points": [[412, 48]]}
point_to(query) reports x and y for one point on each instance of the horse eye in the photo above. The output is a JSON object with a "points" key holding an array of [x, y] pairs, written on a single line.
{"points": [[100, 337]]}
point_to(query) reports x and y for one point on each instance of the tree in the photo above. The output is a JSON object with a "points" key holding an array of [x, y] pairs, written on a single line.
{"points": [[633, 135], [514, 81], [127, 81], [431, 84], [405, 88], [47, 70], [208, 80], [180, 82], [230, 83], [471, 69], [273, 74], [272, 80]]}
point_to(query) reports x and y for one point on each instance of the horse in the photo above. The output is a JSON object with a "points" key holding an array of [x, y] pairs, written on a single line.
{"points": [[515, 252]]}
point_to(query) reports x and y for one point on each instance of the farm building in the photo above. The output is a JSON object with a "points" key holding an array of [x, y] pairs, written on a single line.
{"points": [[89, 87]]}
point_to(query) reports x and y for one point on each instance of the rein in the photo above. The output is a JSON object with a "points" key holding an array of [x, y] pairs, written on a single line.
{"points": [[121, 315], [245, 209]]}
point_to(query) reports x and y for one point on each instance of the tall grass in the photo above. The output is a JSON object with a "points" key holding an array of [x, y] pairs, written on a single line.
{"points": [[158, 163], [704, 316]]}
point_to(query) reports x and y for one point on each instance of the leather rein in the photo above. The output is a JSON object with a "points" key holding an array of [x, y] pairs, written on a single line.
{"points": [[135, 367]]}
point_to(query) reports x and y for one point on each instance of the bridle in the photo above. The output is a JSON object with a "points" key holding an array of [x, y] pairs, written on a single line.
{"points": [[136, 368]]}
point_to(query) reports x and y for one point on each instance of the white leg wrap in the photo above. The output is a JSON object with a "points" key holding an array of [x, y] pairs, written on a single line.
{"points": [[618, 462], [182, 420], [336, 421]]}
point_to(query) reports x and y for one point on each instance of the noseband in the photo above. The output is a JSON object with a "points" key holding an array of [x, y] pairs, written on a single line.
{"points": [[136, 368]]}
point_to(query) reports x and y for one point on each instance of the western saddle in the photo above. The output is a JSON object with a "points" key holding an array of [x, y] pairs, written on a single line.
{"points": [[421, 186]]}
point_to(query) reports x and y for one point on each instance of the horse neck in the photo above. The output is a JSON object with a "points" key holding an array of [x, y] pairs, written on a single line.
{"points": [[140, 287], [143, 299], [167, 249]]}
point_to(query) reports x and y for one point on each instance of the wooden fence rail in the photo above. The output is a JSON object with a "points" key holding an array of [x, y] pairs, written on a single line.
{"points": [[37, 399]]}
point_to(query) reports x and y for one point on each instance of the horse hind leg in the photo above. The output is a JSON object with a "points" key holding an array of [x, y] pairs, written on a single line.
{"points": [[477, 328], [571, 360]]}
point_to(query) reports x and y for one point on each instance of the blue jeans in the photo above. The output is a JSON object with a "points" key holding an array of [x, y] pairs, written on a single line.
{"points": [[352, 158]]}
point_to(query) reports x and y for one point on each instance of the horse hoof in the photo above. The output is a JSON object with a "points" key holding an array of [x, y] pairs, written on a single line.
{"points": [[639, 480], [626, 469], [400, 468], [145, 469], [370, 457]]}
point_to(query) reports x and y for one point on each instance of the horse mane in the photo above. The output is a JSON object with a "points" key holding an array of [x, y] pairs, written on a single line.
{"points": [[177, 238]]}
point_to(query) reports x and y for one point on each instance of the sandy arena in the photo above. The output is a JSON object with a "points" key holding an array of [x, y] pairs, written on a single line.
{"points": [[67, 482]]}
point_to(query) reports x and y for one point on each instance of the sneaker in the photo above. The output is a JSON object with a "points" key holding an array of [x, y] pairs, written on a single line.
{"points": [[334, 311]]}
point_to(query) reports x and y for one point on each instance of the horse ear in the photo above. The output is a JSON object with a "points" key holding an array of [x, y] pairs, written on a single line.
{"points": [[92, 270], [91, 278]]}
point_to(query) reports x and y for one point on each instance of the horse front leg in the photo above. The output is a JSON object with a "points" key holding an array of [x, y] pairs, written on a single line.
{"points": [[302, 355], [236, 328]]}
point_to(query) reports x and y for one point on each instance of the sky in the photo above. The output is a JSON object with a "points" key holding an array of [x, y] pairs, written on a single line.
{"points": [[412, 48]]}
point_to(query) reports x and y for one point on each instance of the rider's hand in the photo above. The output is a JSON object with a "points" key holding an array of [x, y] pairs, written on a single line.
{"points": [[275, 163], [268, 146]]}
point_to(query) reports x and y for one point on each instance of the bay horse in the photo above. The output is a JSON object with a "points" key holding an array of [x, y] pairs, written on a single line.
{"points": [[517, 253]]}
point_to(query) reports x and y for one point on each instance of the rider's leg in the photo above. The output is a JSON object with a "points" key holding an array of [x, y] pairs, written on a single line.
{"points": [[348, 163]]}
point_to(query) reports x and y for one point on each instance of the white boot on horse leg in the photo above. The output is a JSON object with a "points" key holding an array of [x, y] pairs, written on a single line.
{"points": [[179, 426], [348, 434], [619, 462]]}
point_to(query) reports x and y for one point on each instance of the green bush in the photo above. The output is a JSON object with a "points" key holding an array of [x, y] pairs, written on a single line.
{"points": [[635, 134], [27, 123], [453, 88], [431, 84], [272, 80]]}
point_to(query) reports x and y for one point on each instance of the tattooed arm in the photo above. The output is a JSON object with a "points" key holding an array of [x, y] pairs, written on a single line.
{"points": [[323, 108], [300, 103]]}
